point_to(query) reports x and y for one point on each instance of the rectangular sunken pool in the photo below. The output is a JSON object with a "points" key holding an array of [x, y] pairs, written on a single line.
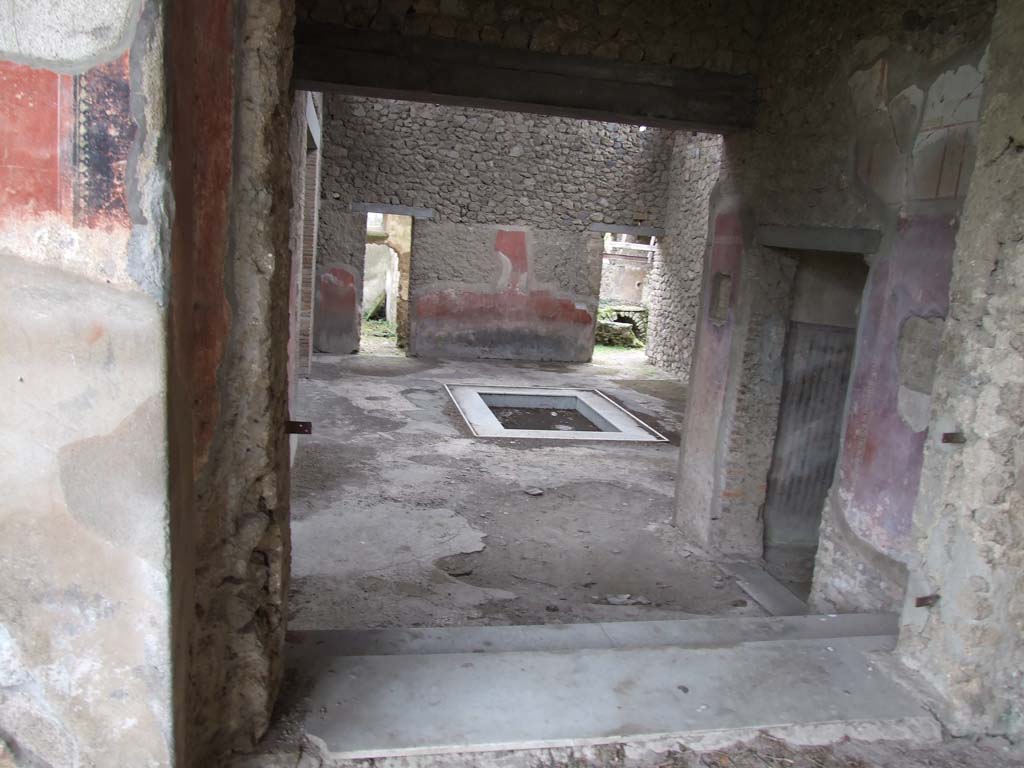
{"points": [[542, 413]]}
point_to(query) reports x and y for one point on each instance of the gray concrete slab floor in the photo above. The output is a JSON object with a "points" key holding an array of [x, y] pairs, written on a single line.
{"points": [[373, 706]]}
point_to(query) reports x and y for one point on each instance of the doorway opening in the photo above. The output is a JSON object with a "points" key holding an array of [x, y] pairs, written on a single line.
{"points": [[404, 515], [818, 357], [623, 315], [418, 535], [384, 320]]}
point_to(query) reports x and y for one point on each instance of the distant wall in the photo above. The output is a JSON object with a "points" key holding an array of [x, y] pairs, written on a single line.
{"points": [[304, 153], [377, 274], [624, 278], [673, 290], [482, 172], [502, 292]]}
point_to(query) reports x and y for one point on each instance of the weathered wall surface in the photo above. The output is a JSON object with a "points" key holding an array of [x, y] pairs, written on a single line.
{"points": [[480, 166], [717, 36], [699, 481], [376, 273], [968, 526], [674, 285], [917, 124], [872, 128], [237, 57], [88, 622], [304, 155], [481, 170], [399, 229], [298, 147], [515, 293]]}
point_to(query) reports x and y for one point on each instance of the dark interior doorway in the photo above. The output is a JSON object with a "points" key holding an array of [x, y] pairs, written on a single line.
{"points": [[819, 350]]}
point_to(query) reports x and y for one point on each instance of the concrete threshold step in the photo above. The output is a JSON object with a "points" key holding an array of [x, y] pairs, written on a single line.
{"points": [[686, 633], [767, 591], [817, 690]]}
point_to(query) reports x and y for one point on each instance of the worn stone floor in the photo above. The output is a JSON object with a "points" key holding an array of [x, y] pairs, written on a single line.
{"points": [[401, 518], [379, 346], [763, 752]]}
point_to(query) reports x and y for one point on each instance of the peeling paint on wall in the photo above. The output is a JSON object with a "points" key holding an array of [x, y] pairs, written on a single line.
{"points": [[105, 132], [913, 281], [894, 152], [86, 624], [515, 317], [338, 310], [968, 522], [698, 491]]}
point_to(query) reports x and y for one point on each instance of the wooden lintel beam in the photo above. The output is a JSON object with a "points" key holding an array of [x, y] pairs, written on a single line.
{"points": [[332, 58], [834, 239]]}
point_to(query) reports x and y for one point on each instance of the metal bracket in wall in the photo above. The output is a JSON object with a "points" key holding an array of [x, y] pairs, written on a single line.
{"points": [[956, 438], [298, 427], [926, 602], [834, 239], [397, 210]]}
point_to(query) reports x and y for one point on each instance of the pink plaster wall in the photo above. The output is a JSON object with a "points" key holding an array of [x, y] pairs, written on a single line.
{"points": [[514, 319], [698, 493], [880, 458]]}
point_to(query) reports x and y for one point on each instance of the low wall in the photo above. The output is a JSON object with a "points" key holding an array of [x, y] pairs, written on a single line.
{"points": [[493, 292]]}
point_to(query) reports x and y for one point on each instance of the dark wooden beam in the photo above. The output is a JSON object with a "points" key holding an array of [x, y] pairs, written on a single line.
{"points": [[834, 239], [332, 58]]}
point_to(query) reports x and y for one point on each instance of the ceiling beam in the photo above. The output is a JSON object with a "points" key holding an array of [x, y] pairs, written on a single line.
{"points": [[835, 239], [333, 58]]}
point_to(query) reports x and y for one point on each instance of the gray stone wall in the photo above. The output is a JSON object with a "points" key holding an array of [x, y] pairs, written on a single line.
{"points": [[717, 36], [482, 170], [478, 166], [968, 524], [674, 283], [304, 154]]}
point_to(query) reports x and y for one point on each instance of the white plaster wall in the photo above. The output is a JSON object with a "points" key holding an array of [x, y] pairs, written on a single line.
{"points": [[66, 35]]}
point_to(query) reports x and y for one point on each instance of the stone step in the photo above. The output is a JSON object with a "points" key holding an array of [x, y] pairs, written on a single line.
{"points": [[687, 633], [816, 690]]}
